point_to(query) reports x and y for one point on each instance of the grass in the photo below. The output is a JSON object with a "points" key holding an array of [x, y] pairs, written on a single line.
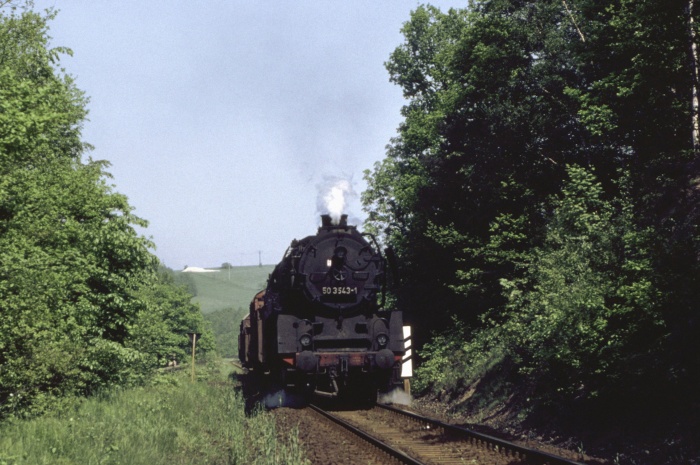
{"points": [[223, 289], [173, 421]]}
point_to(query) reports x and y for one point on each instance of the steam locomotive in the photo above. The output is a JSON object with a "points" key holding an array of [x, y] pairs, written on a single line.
{"points": [[319, 327]]}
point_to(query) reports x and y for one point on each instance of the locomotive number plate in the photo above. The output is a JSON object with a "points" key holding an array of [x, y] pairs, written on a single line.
{"points": [[339, 290]]}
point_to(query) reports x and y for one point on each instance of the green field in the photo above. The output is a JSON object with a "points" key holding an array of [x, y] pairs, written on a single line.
{"points": [[226, 288], [224, 297]]}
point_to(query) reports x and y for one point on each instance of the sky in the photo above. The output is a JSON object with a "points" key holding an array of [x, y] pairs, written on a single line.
{"points": [[226, 121]]}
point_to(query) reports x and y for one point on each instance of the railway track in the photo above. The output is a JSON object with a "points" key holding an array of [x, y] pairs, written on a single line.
{"points": [[386, 434], [381, 449], [407, 438]]}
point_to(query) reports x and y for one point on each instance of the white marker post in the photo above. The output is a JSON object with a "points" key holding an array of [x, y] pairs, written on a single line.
{"points": [[407, 360]]}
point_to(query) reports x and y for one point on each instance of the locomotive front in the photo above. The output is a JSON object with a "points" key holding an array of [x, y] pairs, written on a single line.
{"points": [[320, 327]]}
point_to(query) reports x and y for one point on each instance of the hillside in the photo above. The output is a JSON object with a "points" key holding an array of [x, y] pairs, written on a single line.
{"points": [[226, 288], [224, 296]]}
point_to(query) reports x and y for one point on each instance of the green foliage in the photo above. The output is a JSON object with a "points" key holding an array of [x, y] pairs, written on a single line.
{"points": [[161, 329], [543, 189], [484, 110], [225, 324], [81, 303], [438, 370], [570, 326], [171, 421]]}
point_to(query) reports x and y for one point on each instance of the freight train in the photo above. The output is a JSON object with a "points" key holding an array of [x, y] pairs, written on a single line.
{"points": [[319, 327]]}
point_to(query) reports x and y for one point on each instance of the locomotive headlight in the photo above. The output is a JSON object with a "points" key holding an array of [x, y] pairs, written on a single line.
{"points": [[305, 340], [382, 340]]}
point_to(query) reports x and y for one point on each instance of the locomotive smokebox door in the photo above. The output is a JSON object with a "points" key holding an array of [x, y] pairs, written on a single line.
{"points": [[342, 269]]}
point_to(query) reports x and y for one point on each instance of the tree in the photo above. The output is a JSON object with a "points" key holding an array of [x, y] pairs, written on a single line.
{"points": [[161, 328], [511, 108], [77, 283], [488, 129]]}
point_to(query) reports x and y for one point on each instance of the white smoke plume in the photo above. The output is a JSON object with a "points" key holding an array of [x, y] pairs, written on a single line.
{"points": [[334, 195], [397, 396]]}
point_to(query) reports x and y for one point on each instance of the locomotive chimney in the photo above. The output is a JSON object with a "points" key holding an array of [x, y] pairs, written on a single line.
{"points": [[328, 223]]}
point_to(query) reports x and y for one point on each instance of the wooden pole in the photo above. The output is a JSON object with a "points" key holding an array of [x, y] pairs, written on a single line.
{"points": [[194, 337], [194, 343]]}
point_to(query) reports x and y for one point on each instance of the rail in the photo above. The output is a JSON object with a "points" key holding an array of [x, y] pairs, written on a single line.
{"points": [[529, 455]]}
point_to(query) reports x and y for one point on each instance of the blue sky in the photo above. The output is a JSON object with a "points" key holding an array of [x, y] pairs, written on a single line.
{"points": [[223, 119]]}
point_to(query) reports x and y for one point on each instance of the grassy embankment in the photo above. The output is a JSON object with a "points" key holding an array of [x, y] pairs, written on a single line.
{"points": [[173, 421]]}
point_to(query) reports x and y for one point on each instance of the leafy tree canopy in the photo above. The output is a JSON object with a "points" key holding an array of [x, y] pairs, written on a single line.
{"points": [[82, 304], [543, 190]]}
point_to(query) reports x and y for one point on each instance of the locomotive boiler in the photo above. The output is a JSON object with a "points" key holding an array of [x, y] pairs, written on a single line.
{"points": [[319, 326]]}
